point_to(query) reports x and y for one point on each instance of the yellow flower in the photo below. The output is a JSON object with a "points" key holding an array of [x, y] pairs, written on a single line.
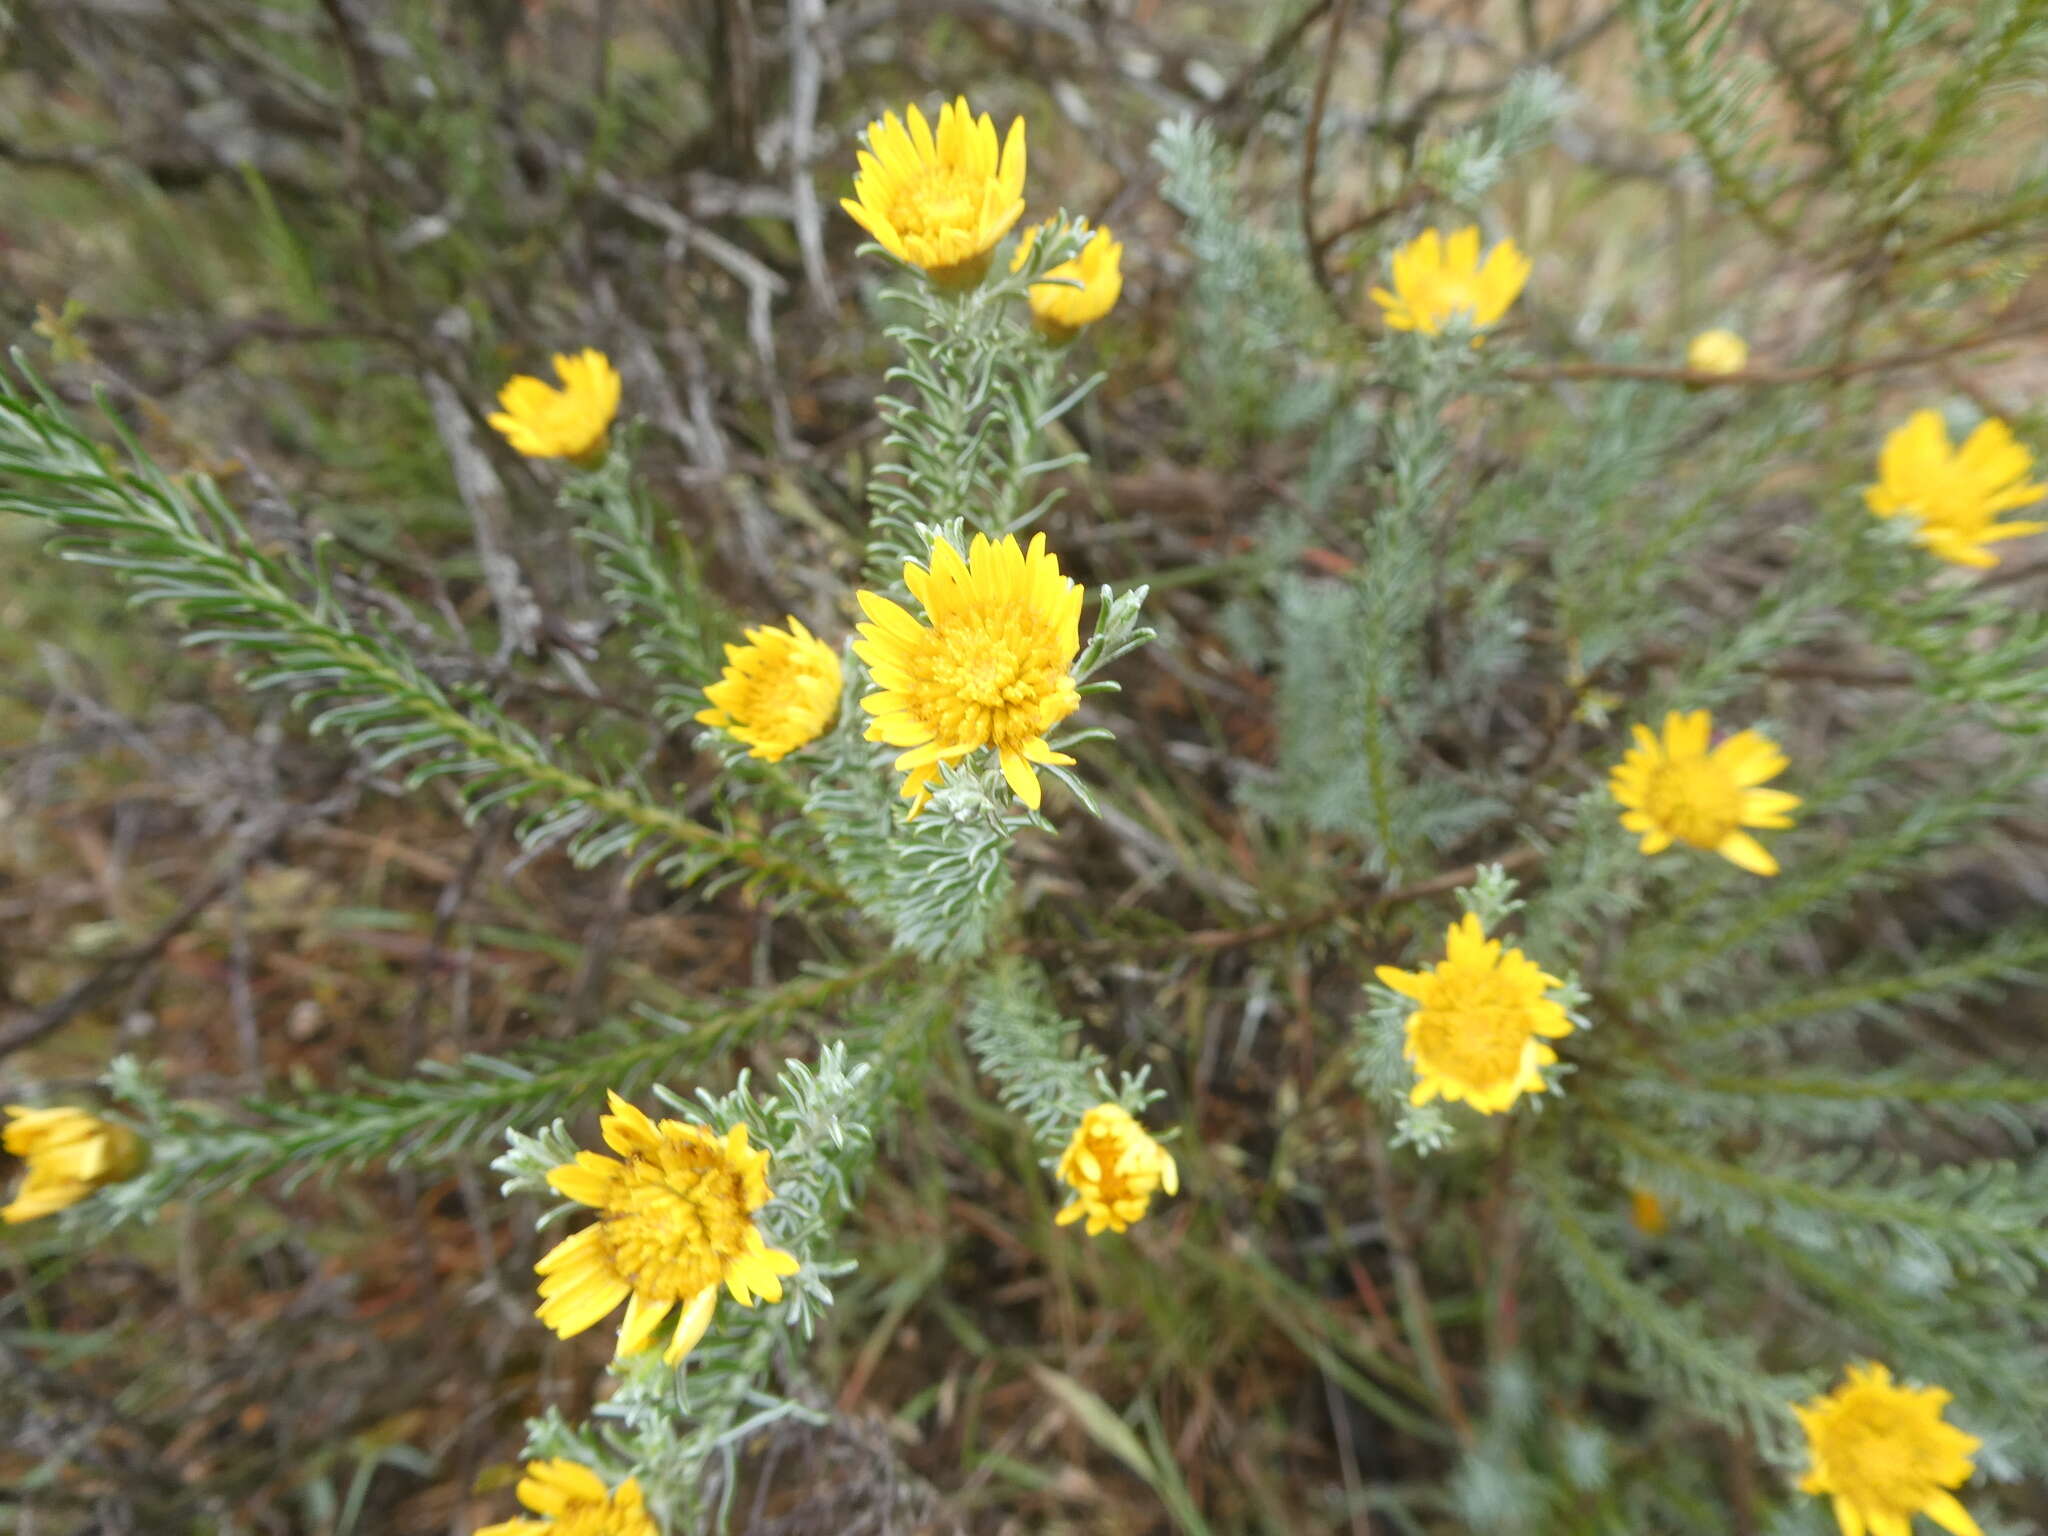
{"points": [[543, 422], [1884, 1454], [69, 1154], [940, 201], [1060, 311], [1477, 1034], [1438, 281], [1648, 1213], [1717, 351], [1113, 1167], [676, 1224], [777, 692], [1677, 790], [1955, 495], [573, 1501], [994, 667]]}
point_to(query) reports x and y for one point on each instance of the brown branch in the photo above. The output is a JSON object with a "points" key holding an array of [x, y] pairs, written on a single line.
{"points": [[1270, 57], [273, 826], [1216, 940], [1311, 149], [1412, 196], [1544, 373]]}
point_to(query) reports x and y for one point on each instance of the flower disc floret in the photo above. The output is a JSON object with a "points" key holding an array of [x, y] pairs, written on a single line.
{"points": [[1440, 281], [1883, 1454], [572, 1500], [1059, 308], [1482, 1018], [675, 1223], [1114, 1168], [992, 666], [1679, 789], [69, 1154], [543, 422], [1954, 496], [1717, 351], [777, 692], [940, 200]]}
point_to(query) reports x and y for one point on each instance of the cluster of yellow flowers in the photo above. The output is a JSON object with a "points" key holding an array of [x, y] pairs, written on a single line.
{"points": [[675, 1225], [1483, 1018], [1953, 497], [990, 662], [987, 663], [942, 201], [1479, 1034], [1483, 1015]]}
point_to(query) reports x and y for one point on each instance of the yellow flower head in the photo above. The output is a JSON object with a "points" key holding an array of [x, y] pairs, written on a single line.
{"points": [[543, 422], [1438, 281], [1478, 1030], [1648, 1213], [1113, 1167], [676, 1223], [1717, 351], [1060, 311], [1884, 1454], [69, 1154], [1677, 790], [777, 692], [1955, 495], [940, 201], [572, 1501], [993, 667]]}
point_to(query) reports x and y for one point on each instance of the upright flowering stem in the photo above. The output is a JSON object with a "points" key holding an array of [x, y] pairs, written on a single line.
{"points": [[1418, 1317], [1393, 588]]}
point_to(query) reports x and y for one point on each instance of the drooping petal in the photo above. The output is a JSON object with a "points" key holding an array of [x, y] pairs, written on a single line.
{"points": [[642, 1318], [692, 1325]]}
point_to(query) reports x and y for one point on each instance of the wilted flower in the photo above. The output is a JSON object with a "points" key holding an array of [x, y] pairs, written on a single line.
{"points": [[1114, 1168], [940, 201], [544, 422], [777, 692], [1678, 790], [1482, 1019], [1954, 496], [1439, 281], [676, 1223]]}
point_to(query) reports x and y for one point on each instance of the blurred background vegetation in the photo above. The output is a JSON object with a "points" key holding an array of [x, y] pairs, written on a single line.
{"points": [[299, 243]]}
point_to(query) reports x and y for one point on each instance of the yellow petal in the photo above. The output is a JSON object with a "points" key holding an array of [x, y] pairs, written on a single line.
{"points": [[1745, 852], [550, 1487], [642, 1318], [587, 1181], [1022, 778], [1946, 1511], [691, 1326]]}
